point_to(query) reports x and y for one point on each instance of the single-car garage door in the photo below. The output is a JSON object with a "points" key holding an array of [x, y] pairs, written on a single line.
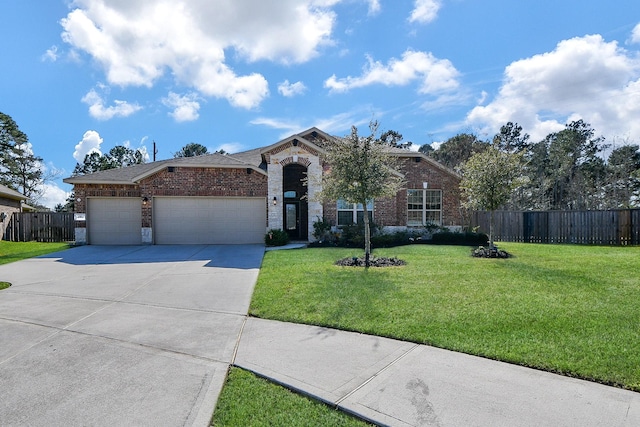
{"points": [[114, 221], [209, 220]]}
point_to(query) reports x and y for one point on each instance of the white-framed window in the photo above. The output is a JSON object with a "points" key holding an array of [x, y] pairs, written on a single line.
{"points": [[353, 213], [424, 207]]}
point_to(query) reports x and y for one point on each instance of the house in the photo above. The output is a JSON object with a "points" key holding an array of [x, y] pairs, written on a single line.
{"points": [[11, 202], [236, 198]]}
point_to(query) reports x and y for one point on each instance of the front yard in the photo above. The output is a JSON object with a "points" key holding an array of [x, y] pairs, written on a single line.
{"points": [[565, 309]]}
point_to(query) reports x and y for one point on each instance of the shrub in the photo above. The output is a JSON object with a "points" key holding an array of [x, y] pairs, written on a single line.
{"points": [[352, 236], [276, 237], [322, 229], [459, 238]]}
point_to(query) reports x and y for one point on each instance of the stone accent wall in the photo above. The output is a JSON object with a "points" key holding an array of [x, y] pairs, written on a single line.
{"points": [[278, 158]]}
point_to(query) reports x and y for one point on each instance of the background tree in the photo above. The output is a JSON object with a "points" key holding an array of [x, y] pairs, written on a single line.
{"points": [[623, 183], [192, 149], [510, 139], [488, 179], [458, 149], [20, 168], [361, 170], [394, 139], [426, 149], [118, 156]]}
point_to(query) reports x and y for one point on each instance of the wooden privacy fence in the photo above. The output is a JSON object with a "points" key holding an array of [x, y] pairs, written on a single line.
{"points": [[41, 227], [614, 227]]}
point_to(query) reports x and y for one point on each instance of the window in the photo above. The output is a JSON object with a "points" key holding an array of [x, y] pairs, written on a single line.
{"points": [[352, 213], [424, 207]]}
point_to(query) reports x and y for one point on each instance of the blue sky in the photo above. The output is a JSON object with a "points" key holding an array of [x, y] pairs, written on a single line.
{"points": [[91, 74]]}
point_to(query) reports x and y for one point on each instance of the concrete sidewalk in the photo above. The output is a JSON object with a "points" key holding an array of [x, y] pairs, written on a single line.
{"points": [[396, 383]]}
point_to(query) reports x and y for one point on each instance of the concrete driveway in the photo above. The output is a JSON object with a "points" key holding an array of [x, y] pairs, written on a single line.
{"points": [[121, 335]]}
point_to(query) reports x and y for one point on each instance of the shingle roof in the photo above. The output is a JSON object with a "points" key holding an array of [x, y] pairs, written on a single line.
{"points": [[133, 174], [251, 158], [10, 193]]}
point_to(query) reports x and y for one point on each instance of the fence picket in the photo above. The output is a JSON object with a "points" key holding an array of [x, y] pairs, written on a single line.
{"points": [[41, 226], [614, 227]]}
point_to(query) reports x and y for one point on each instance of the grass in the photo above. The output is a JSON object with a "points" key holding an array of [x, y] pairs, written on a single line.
{"points": [[247, 400], [16, 251], [565, 309]]}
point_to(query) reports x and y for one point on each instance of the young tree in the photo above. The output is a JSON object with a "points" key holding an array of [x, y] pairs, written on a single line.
{"points": [[192, 149], [360, 170], [488, 179]]}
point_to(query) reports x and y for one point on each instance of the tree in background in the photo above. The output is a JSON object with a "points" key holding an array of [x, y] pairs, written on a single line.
{"points": [[119, 156], [20, 168], [488, 179], [394, 139], [192, 149], [510, 139], [361, 169], [623, 183], [458, 149]]}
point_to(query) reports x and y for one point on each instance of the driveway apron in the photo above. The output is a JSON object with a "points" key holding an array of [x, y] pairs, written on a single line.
{"points": [[139, 335]]}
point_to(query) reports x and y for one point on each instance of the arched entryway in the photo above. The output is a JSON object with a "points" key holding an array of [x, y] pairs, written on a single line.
{"points": [[296, 216]]}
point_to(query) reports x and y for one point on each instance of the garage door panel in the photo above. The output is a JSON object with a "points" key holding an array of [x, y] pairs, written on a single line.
{"points": [[204, 220], [114, 221]]}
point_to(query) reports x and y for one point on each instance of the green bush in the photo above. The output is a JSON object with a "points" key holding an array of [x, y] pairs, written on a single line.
{"points": [[276, 237], [322, 229], [459, 238]]}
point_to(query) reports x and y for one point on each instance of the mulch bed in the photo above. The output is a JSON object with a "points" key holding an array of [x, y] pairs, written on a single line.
{"points": [[373, 262], [492, 252]]}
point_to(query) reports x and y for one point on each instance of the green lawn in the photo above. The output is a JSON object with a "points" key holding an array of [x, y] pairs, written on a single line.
{"points": [[247, 400], [16, 251], [568, 309]]}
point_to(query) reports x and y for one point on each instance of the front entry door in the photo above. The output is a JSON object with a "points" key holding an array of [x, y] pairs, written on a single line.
{"points": [[292, 219]]}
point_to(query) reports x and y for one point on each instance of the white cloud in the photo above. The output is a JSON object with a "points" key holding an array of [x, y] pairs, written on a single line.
{"points": [[337, 124], [435, 75], [584, 77], [374, 7], [635, 34], [291, 89], [229, 147], [53, 195], [138, 41], [51, 54], [97, 109], [90, 143], [424, 11], [185, 108]]}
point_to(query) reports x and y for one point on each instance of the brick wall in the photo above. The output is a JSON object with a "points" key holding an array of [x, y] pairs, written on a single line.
{"points": [[393, 211], [201, 182]]}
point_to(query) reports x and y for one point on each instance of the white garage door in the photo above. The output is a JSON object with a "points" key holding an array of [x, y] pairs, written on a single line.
{"points": [[209, 220], [114, 221]]}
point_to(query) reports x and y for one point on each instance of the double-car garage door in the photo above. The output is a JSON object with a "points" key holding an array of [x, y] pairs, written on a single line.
{"points": [[178, 220]]}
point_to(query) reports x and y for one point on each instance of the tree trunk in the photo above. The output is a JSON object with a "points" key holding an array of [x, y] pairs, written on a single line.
{"points": [[367, 236], [490, 229]]}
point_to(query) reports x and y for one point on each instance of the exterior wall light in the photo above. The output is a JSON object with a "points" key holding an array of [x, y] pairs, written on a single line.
{"points": [[275, 200], [145, 200]]}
